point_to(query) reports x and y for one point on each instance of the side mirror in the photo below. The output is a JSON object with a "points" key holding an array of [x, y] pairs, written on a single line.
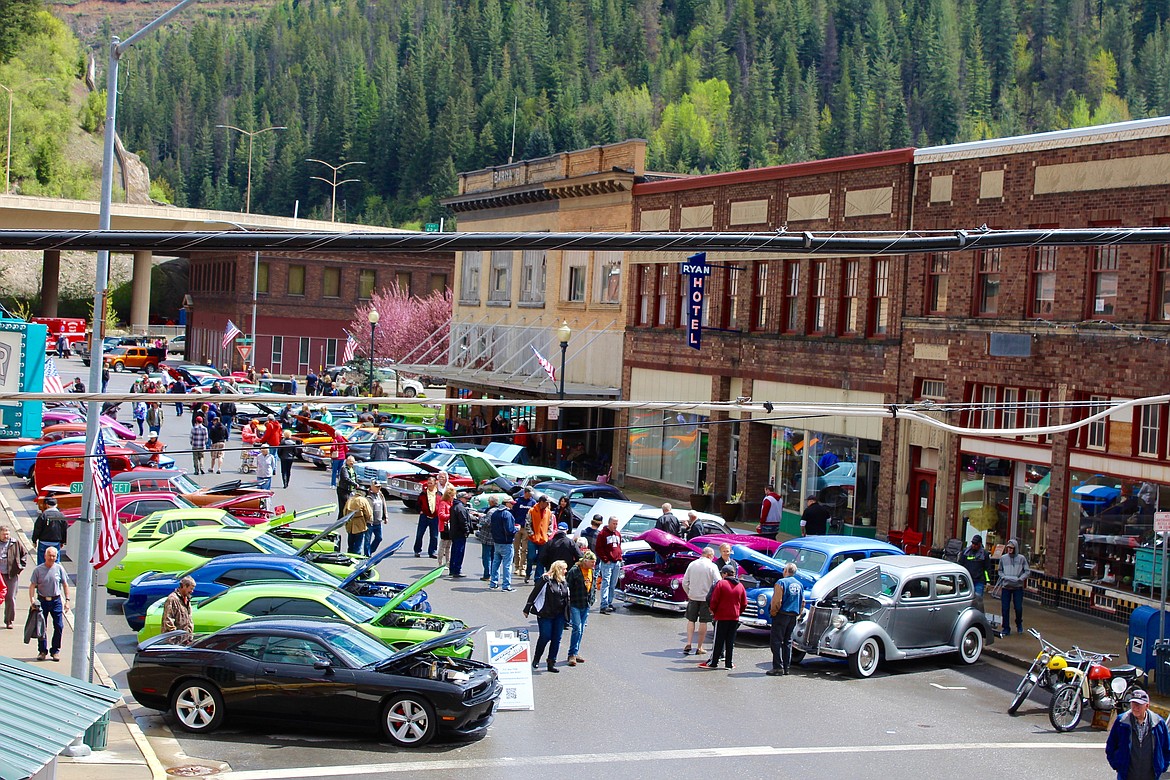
{"points": [[323, 664]]}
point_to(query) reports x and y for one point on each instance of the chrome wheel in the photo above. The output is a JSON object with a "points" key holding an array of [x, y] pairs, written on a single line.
{"points": [[198, 707], [864, 662], [1065, 710], [409, 721], [971, 645]]}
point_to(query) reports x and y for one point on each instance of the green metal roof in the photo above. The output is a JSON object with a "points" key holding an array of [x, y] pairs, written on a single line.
{"points": [[42, 712]]}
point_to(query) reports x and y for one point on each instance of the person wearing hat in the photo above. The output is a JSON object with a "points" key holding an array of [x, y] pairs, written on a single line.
{"points": [[560, 548], [504, 528], [199, 440], [50, 529], [815, 519], [728, 601], [458, 526], [519, 508], [978, 563], [1138, 745], [272, 432], [154, 447]]}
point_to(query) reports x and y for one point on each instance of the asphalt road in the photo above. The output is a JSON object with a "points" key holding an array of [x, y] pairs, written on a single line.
{"points": [[638, 707]]}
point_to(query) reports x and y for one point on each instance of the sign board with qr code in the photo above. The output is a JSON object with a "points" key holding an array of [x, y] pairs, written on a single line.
{"points": [[509, 654]]}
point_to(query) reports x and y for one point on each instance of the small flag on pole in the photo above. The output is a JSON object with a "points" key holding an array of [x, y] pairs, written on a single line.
{"points": [[547, 366], [230, 333], [110, 537], [350, 348], [52, 378]]}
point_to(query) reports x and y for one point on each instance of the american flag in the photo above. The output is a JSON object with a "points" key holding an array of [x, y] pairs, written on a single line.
{"points": [[110, 537], [350, 349], [547, 366], [230, 333], [52, 378]]}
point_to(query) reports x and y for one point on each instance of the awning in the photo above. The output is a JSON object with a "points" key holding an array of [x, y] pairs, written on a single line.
{"points": [[41, 713]]}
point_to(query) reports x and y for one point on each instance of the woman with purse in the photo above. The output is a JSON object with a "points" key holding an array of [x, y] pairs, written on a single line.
{"points": [[444, 513], [549, 599]]}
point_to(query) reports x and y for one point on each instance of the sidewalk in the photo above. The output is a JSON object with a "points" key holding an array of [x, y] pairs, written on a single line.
{"points": [[129, 753]]}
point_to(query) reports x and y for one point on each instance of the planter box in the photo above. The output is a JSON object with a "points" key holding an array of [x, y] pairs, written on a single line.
{"points": [[701, 502]]}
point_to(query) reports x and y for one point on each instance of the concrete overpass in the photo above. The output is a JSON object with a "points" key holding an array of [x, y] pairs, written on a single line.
{"points": [[25, 212]]}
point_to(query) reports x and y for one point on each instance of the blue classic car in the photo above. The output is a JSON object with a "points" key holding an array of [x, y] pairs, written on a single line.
{"points": [[219, 574], [26, 456], [814, 557]]}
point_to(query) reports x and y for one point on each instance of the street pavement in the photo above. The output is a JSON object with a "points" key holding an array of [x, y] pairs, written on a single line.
{"points": [[637, 705]]}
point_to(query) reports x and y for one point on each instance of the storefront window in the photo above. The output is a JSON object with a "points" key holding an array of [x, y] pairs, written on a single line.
{"points": [[666, 446], [1114, 520], [1004, 499], [841, 471]]}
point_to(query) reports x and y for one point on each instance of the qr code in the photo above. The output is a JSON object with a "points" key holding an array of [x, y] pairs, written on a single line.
{"points": [[510, 693]]}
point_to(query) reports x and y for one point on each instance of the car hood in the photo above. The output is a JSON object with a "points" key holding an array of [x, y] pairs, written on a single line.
{"points": [[481, 469], [666, 544], [505, 452], [847, 579], [451, 639], [303, 514], [408, 591], [304, 549], [760, 544], [753, 562], [372, 561]]}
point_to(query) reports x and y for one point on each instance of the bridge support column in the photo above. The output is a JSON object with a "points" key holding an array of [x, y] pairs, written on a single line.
{"points": [[51, 283], [140, 292]]}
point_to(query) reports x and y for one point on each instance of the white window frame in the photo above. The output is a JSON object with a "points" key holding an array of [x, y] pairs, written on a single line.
{"points": [[574, 262], [304, 352], [277, 350], [1150, 432], [933, 390], [532, 275], [1095, 432], [469, 277], [330, 352], [987, 395], [1032, 416]]}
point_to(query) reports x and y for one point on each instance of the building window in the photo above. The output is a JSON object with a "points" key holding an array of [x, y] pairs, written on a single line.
{"points": [[791, 294], [1043, 282], [987, 281], [331, 283], [761, 316], [932, 390], [500, 281], [662, 317], [608, 277], [987, 406], [402, 279], [303, 352], [296, 280], [469, 277], [1150, 433], [880, 298], [645, 293], [262, 278], [330, 352], [1095, 431], [438, 283], [277, 349], [938, 267], [532, 276], [1162, 282], [850, 298], [666, 446], [366, 281], [1032, 412], [1105, 264], [818, 303], [1010, 406], [730, 313], [576, 265]]}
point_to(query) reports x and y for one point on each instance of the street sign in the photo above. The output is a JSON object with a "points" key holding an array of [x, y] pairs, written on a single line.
{"points": [[245, 351], [508, 652], [1162, 522], [431, 227], [119, 487], [10, 417]]}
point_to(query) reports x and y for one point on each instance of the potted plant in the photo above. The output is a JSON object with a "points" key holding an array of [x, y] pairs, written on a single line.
{"points": [[701, 502], [732, 507]]}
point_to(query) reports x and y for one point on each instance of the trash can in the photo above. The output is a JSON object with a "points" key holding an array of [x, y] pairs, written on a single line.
{"points": [[97, 735]]}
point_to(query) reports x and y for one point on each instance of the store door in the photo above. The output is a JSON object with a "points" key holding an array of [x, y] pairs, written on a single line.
{"points": [[921, 515]]}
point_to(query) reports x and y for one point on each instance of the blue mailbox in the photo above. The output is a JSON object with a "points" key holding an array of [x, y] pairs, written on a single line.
{"points": [[1144, 624]]}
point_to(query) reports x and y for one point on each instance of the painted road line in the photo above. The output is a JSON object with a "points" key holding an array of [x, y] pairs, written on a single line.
{"points": [[640, 756], [950, 687]]}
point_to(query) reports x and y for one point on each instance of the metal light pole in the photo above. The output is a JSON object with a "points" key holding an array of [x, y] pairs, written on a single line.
{"points": [[335, 183], [373, 317], [563, 334], [251, 135], [82, 664]]}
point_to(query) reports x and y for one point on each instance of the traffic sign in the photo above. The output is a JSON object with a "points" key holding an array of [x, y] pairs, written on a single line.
{"points": [[119, 487], [431, 227], [245, 351]]}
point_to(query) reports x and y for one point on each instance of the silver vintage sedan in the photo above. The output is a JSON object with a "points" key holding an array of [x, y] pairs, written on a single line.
{"points": [[890, 609]]}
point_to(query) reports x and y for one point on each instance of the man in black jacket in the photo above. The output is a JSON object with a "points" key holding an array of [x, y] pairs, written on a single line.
{"points": [[978, 563], [50, 529], [560, 548], [457, 527]]}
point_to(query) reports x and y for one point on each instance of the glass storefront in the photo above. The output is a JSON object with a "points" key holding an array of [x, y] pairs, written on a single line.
{"points": [[841, 471], [1003, 499], [1113, 518], [667, 447]]}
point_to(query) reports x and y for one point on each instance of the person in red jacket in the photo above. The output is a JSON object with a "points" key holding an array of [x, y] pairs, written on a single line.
{"points": [[272, 432], [728, 601]]}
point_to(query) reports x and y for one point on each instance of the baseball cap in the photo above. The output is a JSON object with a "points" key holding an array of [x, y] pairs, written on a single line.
{"points": [[728, 569], [152, 435], [562, 526], [509, 500], [1139, 696]]}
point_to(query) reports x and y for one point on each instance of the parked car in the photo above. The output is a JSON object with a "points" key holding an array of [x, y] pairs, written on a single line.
{"points": [[298, 670], [177, 345], [402, 479], [63, 463], [890, 609], [403, 440], [512, 480], [144, 359], [217, 575], [161, 524], [132, 507], [658, 585], [814, 557], [258, 505], [24, 458]]}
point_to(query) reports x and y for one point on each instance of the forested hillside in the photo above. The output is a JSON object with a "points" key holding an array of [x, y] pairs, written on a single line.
{"points": [[420, 89]]}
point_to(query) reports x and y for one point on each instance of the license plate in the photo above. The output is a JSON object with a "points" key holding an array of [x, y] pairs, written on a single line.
{"points": [[645, 602]]}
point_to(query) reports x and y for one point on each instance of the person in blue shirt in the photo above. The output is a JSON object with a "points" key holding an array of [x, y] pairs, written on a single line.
{"points": [[787, 601]]}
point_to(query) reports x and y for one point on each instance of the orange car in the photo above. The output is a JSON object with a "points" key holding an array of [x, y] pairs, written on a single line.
{"points": [[258, 501]]}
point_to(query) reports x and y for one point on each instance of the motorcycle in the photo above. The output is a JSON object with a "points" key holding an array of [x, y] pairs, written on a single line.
{"points": [[1090, 682], [1044, 673]]}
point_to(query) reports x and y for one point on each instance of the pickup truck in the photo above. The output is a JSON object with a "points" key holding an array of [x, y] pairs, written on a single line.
{"points": [[145, 359]]}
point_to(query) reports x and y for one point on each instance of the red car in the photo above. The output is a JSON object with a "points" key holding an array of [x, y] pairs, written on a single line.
{"points": [[245, 500], [62, 464], [135, 506]]}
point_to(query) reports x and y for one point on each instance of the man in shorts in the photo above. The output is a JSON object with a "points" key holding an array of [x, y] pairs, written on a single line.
{"points": [[698, 580]]}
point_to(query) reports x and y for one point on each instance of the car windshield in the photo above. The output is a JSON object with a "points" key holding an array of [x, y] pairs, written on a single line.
{"points": [[638, 524], [349, 605], [392, 434], [436, 458], [314, 573], [355, 646], [362, 435], [275, 545], [806, 560], [554, 493], [184, 484]]}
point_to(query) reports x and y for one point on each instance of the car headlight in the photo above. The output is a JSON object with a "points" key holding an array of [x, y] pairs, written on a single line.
{"points": [[621, 575], [762, 600], [840, 621], [675, 584]]}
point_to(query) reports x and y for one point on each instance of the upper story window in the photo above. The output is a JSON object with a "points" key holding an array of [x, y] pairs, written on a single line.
{"points": [[575, 266], [607, 276], [932, 389], [262, 278], [1162, 282], [1150, 430], [761, 311], [938, 268], [791, 295], [438, 283], [1033, 412], [851, 297], [1106, 261], [331, 283], [1095, 431], [366, 282], [296, 280], [500, 276], [1043, 282], [987, 406], [729, 317], [988, 268], [880, 298], [402, 279], [662, 315], [645, 293], [818, 302], [532, 276], [469, 277]]}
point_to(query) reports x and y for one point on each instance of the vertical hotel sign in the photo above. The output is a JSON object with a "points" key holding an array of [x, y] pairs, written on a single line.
{"points": [[696, 271]]}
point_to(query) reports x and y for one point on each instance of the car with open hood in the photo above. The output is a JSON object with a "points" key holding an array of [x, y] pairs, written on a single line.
{"points": [[403, 479], [219, 574], [320, 672], [189, 547], [162, 523], [814, 557], [257, 507], [658, 585], [892, 608], [396, 627], [132, 507]]}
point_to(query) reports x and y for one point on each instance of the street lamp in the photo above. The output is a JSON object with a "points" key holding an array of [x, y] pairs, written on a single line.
{"points": [[251, 134], [373, 317], [335, 183], [563, 334]]}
